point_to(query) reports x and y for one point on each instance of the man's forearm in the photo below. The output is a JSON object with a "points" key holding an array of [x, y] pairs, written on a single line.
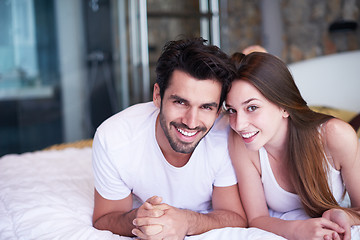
{"points": [[117, 222], [200, 223]]}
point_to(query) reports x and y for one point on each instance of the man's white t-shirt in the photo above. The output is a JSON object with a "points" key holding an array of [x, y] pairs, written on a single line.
{"points": [[127, 159]]}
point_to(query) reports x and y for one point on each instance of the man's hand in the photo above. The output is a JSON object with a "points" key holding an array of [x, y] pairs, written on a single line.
{"points": [[156, 220], [151, 209]]}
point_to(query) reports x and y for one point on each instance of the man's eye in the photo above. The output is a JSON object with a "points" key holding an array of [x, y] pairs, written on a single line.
{"points": [[207, 108], [179, 102]]}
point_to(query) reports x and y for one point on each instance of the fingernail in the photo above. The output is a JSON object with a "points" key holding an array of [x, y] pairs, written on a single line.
{"points": [[134, 222]]}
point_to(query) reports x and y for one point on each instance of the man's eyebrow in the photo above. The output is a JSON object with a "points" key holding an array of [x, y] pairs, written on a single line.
{"points": [[176, 97], [211, 104]]}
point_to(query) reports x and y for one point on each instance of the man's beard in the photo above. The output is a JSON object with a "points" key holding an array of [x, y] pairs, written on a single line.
{"points": [[177, 145]]}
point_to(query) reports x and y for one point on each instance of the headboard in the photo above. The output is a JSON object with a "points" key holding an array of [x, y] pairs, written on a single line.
{"points": [[332, 80]]}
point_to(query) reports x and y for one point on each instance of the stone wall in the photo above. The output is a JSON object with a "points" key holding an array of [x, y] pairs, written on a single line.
{"points": [[305, 27], [240, 24]]}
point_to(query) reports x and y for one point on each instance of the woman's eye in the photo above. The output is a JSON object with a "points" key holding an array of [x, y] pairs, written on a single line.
{"points": [[252, 108]]}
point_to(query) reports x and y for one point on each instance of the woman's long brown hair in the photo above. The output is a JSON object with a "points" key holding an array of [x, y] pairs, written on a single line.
{"points": [[306, 154]]}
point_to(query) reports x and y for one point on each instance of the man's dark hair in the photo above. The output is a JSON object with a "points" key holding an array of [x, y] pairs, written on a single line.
{"points": [[196, 58]]}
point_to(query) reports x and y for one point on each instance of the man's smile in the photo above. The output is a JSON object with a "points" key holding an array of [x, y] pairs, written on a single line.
{"points": [[186, 133]]}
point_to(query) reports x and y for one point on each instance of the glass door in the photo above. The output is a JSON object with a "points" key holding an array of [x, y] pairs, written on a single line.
{"points": [[143, 27], [67, 65], [29, 77]]}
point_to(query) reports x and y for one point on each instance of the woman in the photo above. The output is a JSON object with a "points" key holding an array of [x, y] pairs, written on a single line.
{"points": [[292, 164]]}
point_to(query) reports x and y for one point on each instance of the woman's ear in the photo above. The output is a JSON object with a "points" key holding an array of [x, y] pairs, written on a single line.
{"points": [[285, 113], [156, 95]]}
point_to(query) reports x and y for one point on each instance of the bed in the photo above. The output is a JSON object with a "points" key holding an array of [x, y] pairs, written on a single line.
{"points": [[48, 194]]}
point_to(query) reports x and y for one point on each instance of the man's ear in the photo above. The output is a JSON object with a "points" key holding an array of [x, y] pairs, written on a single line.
{"points": [[156, 95]]}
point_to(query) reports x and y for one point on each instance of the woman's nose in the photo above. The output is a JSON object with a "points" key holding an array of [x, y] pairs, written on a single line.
{"points": [[239, 123]]}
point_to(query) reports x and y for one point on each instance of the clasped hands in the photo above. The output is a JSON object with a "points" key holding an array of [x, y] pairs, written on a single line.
{"points": [[342, 219], [333, 225], [156, 220]]}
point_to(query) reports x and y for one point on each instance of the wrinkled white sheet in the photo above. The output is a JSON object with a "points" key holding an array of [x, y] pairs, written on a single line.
{"points": [[49, 195]]}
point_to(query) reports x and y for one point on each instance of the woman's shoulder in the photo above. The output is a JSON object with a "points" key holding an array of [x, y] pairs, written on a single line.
{"points": [[338, 130], [340, 139]]}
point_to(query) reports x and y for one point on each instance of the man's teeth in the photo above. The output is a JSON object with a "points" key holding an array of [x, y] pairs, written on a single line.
{"points": [[188, 134], [248, 135]]}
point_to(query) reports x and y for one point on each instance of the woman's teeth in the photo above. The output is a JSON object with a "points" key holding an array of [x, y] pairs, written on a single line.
{"points": [[248, 135]]}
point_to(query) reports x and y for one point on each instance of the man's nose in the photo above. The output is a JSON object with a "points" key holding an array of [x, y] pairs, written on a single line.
{"points": [[191, 118]]}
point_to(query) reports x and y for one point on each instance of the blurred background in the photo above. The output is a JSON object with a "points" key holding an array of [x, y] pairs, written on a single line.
{"points": [[67, 65]]}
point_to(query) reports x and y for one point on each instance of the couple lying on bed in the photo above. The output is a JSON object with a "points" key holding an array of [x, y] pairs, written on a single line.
{"points": [[163, 169]]}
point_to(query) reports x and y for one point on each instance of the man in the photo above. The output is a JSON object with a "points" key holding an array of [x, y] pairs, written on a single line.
{"points": [[159, 172]]}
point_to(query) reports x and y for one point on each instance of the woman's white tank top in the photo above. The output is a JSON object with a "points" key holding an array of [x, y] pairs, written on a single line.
{"points": [[282, 201]]}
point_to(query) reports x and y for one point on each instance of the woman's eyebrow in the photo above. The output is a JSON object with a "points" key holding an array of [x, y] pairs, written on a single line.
{"points": [[249, 100], [243, 103]]}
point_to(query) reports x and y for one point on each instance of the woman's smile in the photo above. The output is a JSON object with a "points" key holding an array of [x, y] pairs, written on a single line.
{"points": [[249, 136]]}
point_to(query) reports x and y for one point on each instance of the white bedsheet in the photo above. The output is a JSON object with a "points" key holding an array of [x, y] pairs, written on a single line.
{"points": [[49, 195]]}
